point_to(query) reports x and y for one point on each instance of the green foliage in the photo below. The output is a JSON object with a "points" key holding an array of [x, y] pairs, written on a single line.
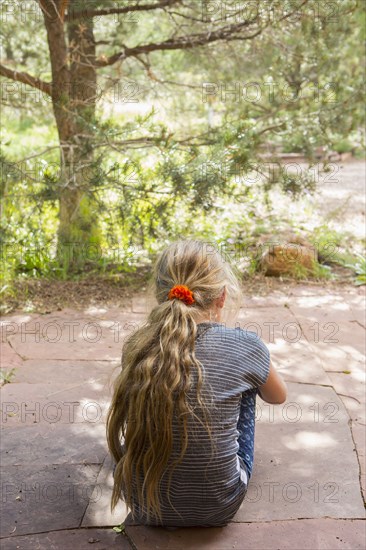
{"points": [[344, 146], [334, 247], [359, 267], [292, 184], [119, 528], [6, 376], [169, 159]]}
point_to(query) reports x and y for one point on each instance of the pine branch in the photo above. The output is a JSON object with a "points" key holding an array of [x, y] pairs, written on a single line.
{"points": [[26, 78], [228, 32]]}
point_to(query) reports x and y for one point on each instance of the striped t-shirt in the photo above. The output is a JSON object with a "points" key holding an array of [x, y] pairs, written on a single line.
{"points": [[209, 485]]}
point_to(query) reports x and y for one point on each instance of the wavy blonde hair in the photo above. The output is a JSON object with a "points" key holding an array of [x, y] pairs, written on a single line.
{"points": [[157, 364]]}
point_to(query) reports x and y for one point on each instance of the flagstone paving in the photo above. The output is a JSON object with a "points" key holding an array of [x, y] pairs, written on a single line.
{"points": [[308, 484]]}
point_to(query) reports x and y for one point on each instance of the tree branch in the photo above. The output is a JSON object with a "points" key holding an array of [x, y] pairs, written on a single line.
{"points": [[26, 78], [230, 32], [87, 13]]}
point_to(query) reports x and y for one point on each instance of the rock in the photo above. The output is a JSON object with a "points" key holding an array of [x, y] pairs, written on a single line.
{"points": [[293, 256]]}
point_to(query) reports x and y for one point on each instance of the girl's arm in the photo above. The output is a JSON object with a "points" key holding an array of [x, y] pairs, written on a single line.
{"points": [[274, 391]]}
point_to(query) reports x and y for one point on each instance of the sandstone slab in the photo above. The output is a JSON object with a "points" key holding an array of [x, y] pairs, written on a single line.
{"points": [[9, 358], [74, 337], [38, 499], [34, 404], [297, 471], [68, 373], [42, 445], [321, 534], [73, 539], [291, 352], [98, 512]]}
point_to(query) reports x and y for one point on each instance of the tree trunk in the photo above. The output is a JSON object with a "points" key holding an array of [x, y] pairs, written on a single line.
{"points": [[73, 98]]}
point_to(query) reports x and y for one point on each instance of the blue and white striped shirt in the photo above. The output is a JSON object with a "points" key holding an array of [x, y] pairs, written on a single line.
{"points": [[209, 485]]}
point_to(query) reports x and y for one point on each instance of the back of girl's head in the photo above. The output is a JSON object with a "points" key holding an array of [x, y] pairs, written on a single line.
{"points": [[199, 266], [160, 370]]}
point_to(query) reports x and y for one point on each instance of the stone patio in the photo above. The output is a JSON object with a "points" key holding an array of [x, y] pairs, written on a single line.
{"points": [[308, 485]]}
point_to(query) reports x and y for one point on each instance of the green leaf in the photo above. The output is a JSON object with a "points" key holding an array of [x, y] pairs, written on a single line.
{"points": [[119, 528]]}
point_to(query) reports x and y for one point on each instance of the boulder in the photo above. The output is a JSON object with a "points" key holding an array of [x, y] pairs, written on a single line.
{"points": [[293, 256]]}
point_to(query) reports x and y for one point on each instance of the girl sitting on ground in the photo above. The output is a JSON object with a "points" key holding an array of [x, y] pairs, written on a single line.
{"points": [[181, 424]]}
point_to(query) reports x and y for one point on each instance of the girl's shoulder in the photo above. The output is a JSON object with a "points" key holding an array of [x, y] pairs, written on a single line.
{"points": [[236, 351]]}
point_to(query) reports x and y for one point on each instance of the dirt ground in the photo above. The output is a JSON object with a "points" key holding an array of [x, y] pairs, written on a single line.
{"points": [[46, 296]]}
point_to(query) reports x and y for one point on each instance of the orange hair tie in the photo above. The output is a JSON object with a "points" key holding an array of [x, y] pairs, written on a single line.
{"points": [[181, 292]]}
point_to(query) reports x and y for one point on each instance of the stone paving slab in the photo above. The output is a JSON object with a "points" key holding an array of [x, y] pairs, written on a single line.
{"points": [[10, 324], [351, 389], [274, 299], [75, 539], [9, 358], [30, 404], [334, 324], [141, 303], [304, 469], [278, 315], [103, 350], [297, 471], [321, 534], [348, 299], [359, 436], [99, 512], [79, 337], [41, 445], [289, 347], [298, 362], [68, 373], [338, 358], [355, 408], [76, 337], [39, 498], [349, 384]]}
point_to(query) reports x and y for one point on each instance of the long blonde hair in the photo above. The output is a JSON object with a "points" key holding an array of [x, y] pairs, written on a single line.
{"points": [[157, 362]]}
